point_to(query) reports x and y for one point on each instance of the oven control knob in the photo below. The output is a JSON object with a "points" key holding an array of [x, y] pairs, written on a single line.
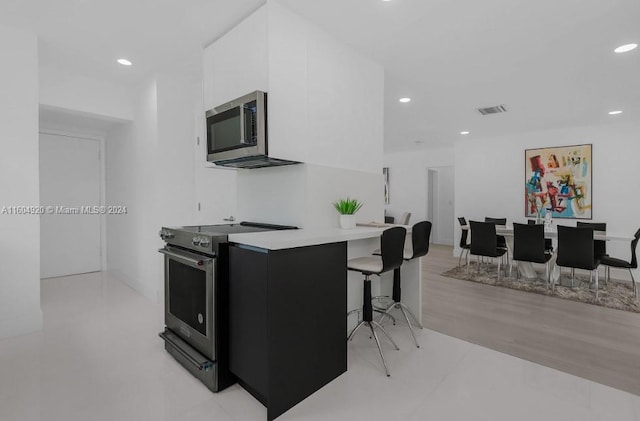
{"points": [[195, 241], [165, 234], [169, 234], [204, 242]]}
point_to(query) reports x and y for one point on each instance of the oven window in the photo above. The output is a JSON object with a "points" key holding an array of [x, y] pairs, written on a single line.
{"points": [[188, 295]]}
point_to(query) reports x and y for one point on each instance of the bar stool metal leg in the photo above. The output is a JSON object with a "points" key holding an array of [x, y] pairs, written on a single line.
{"points": [[404, 313], [384, 362], [397, 304], [367, 319], [355, 329], [378, 325]]}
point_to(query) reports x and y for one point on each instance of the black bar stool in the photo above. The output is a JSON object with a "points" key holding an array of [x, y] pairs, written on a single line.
{"points": [[392, 246], [420, 234]]}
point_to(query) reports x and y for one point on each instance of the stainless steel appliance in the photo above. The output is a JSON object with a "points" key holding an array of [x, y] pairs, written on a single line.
{"points": [[237, 133], [195, 280]]}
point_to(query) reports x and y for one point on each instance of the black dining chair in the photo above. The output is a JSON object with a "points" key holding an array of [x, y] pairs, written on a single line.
{"points": [[484, 242], [529, 246], [391, 257], [502, 242], [548, 243], [576, 251], [464, 235], [599, 246], [420, 235], [612, 262]]}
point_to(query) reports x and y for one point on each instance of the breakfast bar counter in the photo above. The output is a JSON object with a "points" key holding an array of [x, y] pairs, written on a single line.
{"points": [[278, 240], [289, 294]]}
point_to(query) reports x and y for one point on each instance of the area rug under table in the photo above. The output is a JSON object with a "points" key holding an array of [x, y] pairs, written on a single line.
{"points": [[616, 294]]}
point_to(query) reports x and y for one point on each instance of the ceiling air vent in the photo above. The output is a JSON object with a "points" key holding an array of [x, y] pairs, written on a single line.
{"points": [[492, 110]]}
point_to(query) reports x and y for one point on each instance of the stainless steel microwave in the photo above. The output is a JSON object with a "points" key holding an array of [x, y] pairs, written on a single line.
{"points": [[238, 129]]}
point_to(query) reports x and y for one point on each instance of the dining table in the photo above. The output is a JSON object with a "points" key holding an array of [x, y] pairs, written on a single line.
{"points": [[526, 268]]}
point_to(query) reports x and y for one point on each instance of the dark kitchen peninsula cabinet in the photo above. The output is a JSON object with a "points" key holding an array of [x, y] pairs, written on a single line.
{"points": [[287, 321]]}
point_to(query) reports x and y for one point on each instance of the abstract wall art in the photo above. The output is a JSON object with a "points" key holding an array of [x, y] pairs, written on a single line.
{"points": [[558, 180]]}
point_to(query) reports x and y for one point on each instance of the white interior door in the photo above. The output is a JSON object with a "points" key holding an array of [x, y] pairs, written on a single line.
{"points": [[70, 243]]}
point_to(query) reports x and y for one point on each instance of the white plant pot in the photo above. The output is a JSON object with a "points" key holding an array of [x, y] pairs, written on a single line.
{"points": [[347, 221]]}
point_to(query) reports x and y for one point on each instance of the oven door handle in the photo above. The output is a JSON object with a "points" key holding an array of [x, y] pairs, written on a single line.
{"points": [[195, 261]]}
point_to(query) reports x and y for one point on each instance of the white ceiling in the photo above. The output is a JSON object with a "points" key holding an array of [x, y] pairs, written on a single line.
{"points": [[551, 62], [89, 35]]}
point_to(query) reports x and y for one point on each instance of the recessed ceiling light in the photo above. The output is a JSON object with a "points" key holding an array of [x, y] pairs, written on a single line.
{"points": [[626, 48], [124, 62], [465, 132], [615, 112], [386, 0], [405, 99]]}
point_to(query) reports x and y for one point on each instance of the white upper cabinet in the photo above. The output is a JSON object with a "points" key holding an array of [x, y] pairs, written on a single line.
{"points": [[236, 63], [325, 100]]}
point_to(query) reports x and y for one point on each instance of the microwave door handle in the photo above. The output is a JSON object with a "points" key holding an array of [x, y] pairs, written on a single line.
{"points": [[243, 140]]}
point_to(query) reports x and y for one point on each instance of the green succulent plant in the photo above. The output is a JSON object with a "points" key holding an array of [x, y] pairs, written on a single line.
{"points": [[347, 206]]}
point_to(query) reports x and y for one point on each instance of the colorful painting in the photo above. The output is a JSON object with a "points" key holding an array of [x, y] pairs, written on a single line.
{"points": [[558, 180]]}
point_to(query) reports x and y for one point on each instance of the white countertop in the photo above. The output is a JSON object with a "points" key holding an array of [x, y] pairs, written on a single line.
{"points": [[278, 240]]}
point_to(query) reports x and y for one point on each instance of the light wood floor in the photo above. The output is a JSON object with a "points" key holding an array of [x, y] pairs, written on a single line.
{"points": [[589, 341]]}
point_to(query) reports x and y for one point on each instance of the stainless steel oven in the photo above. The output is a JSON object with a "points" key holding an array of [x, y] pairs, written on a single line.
{"points": [[189, 305], [196, 264]]}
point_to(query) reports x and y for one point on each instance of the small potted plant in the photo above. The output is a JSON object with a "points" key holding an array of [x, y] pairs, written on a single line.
{"points": [[347, 209]]}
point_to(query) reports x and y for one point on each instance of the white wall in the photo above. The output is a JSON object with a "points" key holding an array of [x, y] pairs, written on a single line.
{"points": [[327, 184], [274, 195], [408, 180], [490, 172], [303, 195], [19, 184], [63, 88], [154, 167], [175, 162], [131, 169]]}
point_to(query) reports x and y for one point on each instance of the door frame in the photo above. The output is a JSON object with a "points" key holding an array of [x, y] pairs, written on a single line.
{"points": [[90, 137]]}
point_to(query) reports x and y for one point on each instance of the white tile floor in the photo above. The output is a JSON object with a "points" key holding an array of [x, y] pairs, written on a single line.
{"points": [[99, 358]]}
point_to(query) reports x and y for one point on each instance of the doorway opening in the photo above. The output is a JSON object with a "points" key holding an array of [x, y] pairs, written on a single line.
{"points": [[440, 203]]}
